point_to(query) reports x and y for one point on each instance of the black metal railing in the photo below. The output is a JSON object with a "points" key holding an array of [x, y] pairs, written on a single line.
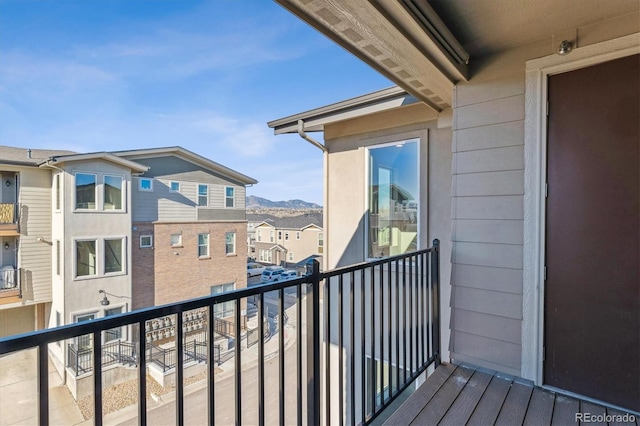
{"points": [[8, 213], [80, 358], [362, 334]]}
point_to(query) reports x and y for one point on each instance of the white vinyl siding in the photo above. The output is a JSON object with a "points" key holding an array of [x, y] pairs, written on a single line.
{"points": [[487, 205]]}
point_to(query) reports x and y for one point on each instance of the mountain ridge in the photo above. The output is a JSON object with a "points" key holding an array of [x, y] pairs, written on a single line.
{"points": [[255, 202]]}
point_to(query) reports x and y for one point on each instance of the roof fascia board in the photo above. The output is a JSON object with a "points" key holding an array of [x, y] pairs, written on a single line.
{"points": [[136, 167], [315, 119]]}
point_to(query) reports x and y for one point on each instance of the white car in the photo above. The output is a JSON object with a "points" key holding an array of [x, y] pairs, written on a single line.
{"points": [[254, 269], [289, 274], [271, 273]]}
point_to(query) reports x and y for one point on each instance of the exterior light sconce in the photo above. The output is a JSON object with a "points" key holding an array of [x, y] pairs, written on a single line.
{"points": [[565, 47], [6, 246], [7, 183], [104, 301]]}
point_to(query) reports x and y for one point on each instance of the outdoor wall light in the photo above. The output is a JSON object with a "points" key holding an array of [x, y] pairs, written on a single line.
{"points": [[6, 246], [7, 183], [565, 47], [104, 301]]}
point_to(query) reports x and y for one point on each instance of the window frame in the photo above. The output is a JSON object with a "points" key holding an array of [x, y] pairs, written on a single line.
{"points": [[320, 242], [207, 245], [226, 243], [145, 179], [171, 186], [104, 190], [220, 309], [290, 256], [198, 195], [123, 256], [75, 192], [150, 245], [231, 197], [119, 330], [75, 259], [420, 138], [297, 235], [57, 192], [179, 243]]}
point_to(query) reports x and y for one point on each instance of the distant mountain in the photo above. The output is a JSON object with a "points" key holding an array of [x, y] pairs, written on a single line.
{"points": [[254, 202]]}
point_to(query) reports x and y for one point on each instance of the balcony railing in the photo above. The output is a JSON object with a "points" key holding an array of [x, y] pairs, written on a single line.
{"points": [[363, 334], [8, 213], [10, 282]]}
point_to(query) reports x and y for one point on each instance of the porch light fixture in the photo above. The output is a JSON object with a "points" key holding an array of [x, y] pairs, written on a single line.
{"points": [[6, 246], [104, 301], [7, 183], [565, 47]]}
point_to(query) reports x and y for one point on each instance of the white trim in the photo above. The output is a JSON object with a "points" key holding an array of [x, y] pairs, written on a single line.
{"points": [[535, 150], [198, 185], [123, 198], [150, 236], [171, 186], [233, 197], [75, 191], [140, 188]]}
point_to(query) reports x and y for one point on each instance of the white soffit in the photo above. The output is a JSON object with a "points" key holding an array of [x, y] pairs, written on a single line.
{"points": [[364, 31]]}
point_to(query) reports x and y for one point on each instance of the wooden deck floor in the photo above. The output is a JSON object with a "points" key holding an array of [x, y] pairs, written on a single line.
{"points": [[455, 395]]}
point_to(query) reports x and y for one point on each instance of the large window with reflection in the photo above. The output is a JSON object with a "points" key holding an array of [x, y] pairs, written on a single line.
{"points": [[393, 193], [113, 192], [85, 191]]}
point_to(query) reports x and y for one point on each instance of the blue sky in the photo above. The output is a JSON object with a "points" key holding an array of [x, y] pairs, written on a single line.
{"points": [[206, 75]]}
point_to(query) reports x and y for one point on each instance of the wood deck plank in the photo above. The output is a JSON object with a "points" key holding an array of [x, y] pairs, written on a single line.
{"points": [[462, 408], [515, 405], [410, 409], [488, 407], [564, 410], [540, 408], [437, 407], [593, 409]]}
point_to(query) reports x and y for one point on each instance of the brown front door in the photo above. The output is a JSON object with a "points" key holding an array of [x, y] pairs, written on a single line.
{"points": [[592, 289]]}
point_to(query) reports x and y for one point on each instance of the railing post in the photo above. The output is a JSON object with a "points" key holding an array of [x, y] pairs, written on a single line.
{"points": [[313, 344], [435, 301]]}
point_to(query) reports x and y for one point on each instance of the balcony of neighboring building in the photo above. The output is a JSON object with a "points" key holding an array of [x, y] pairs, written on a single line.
{"points": [[9, 225]]}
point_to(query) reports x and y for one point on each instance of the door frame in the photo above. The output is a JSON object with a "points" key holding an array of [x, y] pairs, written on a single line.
{"points": [[535, 154]]}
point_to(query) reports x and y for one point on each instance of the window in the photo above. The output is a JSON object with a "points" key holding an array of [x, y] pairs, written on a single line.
{"points": [[259, 235], [320, 243], [270, 236], [175, 240], [57, 188], [203, 245], [174, 187], [393, 199], [113, 255], [57, 257], [146, 241], [279, 235], [230, 239], [286, 236], [113, 193], [145, 184], [297, 235], [84, 342], [114, 333], [85, 191], [203, 195], [230, 197], [225, 309], [290, 256], [85, 258]]}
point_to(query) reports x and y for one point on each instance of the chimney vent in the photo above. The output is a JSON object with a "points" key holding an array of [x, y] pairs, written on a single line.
{"points": [[29, 153]]}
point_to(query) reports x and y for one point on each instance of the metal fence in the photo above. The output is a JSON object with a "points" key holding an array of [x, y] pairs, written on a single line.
{"points": [[377, 331]]}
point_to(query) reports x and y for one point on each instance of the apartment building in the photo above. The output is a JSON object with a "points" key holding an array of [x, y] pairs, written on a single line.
{"points": [[83, 236], [286, 240]]}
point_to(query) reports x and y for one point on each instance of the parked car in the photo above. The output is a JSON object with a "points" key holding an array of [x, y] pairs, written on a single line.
{"points": [[271, 273], [254, 269], [289, 274]]}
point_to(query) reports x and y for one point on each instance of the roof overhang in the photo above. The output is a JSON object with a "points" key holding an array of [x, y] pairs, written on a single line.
{"points": [[403, 40], [189, 156], [105, 156], [314, 120]]}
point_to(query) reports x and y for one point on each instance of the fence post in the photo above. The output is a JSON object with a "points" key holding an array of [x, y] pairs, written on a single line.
{"points": [[435, 301], [313, 344]]}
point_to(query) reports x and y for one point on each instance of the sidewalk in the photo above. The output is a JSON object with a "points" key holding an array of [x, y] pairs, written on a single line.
{"points": [[19, 393]]}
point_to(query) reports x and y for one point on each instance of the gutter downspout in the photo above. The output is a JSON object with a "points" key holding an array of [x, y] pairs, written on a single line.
{"points": [[307, 138], [325, 216]]}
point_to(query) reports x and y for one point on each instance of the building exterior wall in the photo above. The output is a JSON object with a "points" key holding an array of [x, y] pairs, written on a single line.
{"points": [[180, 274], [142, 266], [301, 248], [487, 203]]}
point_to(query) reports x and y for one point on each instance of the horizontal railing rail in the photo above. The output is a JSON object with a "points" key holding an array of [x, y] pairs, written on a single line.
{"points": [[372, 327]]}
